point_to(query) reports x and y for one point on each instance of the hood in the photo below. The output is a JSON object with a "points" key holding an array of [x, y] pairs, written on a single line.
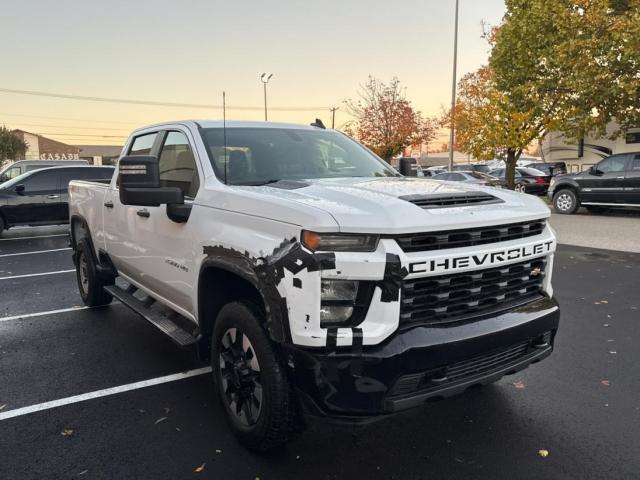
{"points": [[391, 205]]}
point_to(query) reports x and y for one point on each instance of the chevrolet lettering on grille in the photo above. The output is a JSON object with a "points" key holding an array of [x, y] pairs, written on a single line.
{"points": [[479, 260]]}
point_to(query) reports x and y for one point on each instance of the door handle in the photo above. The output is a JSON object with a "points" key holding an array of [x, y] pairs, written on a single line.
{"points": [[144, 213], [53, 196], [620, 178], [108, 204]]}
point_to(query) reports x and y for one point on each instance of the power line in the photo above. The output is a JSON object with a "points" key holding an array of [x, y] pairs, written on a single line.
{"points": [[150, 102], [73, 126], [67, 118], [78, 135]]}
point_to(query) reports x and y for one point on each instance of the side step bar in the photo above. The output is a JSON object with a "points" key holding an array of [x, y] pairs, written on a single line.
{"points": [[167, 326]]}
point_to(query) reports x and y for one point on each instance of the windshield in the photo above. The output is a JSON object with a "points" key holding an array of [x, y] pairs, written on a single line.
{"points": [[256, 156]]}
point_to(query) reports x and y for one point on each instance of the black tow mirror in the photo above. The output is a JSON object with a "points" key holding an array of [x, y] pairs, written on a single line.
{"points": [[139, 183], [19, 189]]}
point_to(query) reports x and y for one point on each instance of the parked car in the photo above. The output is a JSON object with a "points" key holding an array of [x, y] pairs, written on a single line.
{"points": [[613, 182], [316, 280], [40, 197], [22, 166], [470, 177], [471, 167], [550, 168], [527, 180]]}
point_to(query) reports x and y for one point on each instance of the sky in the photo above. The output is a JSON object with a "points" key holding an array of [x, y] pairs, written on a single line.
{"points": [[190, 51]]}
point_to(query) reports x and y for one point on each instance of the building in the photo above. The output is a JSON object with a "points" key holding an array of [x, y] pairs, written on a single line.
{"points": [[42, 148], [100, 154], [579, 156]]}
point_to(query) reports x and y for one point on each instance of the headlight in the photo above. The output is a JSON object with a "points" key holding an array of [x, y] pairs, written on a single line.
{"points": [[344, 302], [339, 242]]}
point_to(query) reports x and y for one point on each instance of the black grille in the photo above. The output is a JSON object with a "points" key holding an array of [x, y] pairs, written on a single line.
{"points": [[451, 200], [457, 297], [459, 371], [421, 242]]}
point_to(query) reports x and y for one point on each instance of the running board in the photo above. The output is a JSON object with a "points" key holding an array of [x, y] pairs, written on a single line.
{"points": [[166, 325]]}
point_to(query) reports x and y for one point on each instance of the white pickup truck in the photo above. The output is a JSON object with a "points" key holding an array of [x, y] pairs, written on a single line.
{"points": [[315, 279]]}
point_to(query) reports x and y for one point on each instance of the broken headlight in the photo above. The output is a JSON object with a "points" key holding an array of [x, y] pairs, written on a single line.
{"points": [[344, 302], [339, 242]]}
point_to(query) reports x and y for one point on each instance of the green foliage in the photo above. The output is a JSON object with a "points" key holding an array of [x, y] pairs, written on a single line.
{"points": [[11, 147]]}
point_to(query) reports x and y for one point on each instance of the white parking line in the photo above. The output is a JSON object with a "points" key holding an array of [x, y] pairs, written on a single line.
{"points": [[35, 236], [36, 274], [40, 314], [102, 393], [32, 253]]}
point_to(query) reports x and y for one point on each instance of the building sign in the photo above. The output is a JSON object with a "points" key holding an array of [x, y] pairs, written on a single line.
{"points": [[58, 156]]}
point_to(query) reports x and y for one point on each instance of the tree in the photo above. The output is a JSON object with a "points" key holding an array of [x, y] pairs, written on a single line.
{"points": [[385, 121], [11, 147], [572, 66]]}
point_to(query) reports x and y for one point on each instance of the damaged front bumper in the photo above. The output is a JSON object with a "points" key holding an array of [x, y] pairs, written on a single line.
{"points": [[419, 364]]}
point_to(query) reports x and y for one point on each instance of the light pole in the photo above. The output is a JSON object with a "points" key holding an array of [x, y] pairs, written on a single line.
{"points": [[453, 90], [264, 78]]}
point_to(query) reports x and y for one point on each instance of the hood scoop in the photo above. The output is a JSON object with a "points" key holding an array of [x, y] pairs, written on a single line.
{"points": [[444, 200]]}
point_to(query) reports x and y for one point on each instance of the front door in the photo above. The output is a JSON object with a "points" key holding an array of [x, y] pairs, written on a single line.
{"points": [[605, 184], [632, 181], [34, 200]]}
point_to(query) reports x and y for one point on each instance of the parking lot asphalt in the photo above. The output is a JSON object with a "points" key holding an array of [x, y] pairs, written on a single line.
{"points": [[582, 405]]}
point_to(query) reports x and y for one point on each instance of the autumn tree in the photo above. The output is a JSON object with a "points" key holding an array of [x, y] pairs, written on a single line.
{"points": [[11, 147], [572, 66], [385, 121]]}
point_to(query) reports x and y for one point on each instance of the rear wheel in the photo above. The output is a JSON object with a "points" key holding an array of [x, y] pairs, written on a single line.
{"points": [[251, 383], [2, 225], [520, 188], [565, 201], [90, 284]]}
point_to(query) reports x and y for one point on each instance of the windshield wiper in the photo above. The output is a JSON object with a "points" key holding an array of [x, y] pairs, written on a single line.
{"points": [[257, 183]]}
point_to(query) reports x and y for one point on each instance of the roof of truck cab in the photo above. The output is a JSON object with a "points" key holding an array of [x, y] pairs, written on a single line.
{"points": [[236, 124]]}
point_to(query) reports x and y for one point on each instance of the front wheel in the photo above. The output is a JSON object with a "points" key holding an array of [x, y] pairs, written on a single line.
{"points": [[251, 383], [565, 202], [90, 284]]}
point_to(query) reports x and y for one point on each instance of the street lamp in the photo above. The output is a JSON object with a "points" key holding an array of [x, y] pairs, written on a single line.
{"points": [[453, 91], [264, 78]]}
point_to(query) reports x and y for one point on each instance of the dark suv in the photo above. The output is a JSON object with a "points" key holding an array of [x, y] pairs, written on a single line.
{"points": [[614, 182], [41, 197]]}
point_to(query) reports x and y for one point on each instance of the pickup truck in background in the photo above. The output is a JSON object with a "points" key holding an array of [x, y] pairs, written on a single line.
{"points": [[40, 197], [316, 280]]}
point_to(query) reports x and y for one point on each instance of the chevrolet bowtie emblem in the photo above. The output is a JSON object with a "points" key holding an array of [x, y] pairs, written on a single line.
{"points": [[535, 272]]}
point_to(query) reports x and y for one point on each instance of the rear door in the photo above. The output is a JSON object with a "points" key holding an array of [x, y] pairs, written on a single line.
{"points": [[632, 181], [606, 184], [36, 203]]}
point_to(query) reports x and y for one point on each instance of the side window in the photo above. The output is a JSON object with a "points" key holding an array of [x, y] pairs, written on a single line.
{"points": [[635, 164], [41, 183], [177, 165], [458, 177], [13, 172], [613, 164], [143, 144]]}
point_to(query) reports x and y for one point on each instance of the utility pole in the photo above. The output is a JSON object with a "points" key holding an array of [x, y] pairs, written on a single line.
{"points": [[333, 116], [453, 90], [264, 78]]}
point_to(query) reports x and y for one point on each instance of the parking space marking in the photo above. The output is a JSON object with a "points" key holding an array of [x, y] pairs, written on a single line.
{"points": [[37, 251], [36, 274], [40, 314], [102, 393], [35, 236]]}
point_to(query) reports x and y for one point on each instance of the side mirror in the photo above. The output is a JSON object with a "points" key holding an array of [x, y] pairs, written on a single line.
{"points": [[139, 183], [19, 189]]}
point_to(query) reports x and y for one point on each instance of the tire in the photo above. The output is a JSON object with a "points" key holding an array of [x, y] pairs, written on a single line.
{"points": [[520, 188], [595, 209], [251, 383], [90, 284], [2, 225], [565, 202]]}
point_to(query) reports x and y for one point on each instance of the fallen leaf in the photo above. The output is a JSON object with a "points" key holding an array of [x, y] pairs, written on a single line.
{"points": [[200, 468], [83, 472], [2, 406], [66, 432], [218, 451], [606, 383], [543, 453], [519, 385], [604, 301], [161, 419], [612, 352]]}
